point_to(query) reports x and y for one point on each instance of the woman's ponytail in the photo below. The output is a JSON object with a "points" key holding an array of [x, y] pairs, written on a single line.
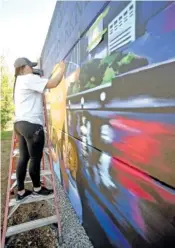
{"points": [[18, 71], [14, 88]]}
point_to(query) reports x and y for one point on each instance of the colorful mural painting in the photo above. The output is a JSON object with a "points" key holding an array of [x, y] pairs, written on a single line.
{"points": [[112, 119]]}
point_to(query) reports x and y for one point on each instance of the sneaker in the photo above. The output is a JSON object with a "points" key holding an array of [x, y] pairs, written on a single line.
{"points": [[21, 197], [43, 191]]}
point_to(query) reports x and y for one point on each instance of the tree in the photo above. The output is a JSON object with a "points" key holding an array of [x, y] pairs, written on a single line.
{"points": [[6, 95]]}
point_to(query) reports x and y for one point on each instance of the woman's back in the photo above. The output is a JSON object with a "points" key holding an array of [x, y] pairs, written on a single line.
{"points": [[28, 98]]}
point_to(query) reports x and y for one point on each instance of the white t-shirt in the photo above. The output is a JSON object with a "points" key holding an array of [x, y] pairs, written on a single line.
{"points": [[28, 98]]}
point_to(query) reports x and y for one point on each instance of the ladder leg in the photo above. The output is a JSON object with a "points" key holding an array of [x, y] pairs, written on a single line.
{"points": [[43, 167], [11, 167], [9, 240], [13, 186], [55, 202], [52, 175], [13, 210]]}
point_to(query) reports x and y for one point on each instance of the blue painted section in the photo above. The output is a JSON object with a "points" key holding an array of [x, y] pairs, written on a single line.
{"points": [[72, 191], [114, 234], [56, 166], [74, 196], [121, 209]]}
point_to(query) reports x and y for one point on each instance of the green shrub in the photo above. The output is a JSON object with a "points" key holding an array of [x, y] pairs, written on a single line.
{"points": [[6, 97]]}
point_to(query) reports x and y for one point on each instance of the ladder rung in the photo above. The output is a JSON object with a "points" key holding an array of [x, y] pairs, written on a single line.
{"points": [[15, 184], [43, 173], [24, 227], [31, 199], [15, 152], [46, 150]]}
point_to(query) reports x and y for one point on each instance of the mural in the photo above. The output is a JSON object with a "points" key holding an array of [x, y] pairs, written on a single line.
{"points": [[112, 125]]}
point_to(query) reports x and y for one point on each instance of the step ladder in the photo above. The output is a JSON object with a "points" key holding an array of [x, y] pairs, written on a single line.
{"points": [[11, 203]]}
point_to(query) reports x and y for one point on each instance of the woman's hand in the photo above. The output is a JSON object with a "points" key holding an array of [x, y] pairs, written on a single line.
{"points": [[59, 68]]}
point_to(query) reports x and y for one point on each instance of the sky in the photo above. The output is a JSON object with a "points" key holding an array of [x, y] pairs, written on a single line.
{"points": [[23, 28]]}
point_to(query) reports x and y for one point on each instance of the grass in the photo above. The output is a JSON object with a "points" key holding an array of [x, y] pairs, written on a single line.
{"points": [[5, 158], [6, 135]]}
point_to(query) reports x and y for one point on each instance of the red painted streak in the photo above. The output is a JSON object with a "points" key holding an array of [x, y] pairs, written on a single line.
{"points": [[135, 180], [145, 144], [130, 179], [142, 126]]}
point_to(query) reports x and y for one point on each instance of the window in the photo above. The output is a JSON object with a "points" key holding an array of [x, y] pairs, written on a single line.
{"points": [[121, 30]]}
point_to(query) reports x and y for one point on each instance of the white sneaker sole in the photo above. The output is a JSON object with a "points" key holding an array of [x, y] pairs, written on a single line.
{"points": [[40, 195]]}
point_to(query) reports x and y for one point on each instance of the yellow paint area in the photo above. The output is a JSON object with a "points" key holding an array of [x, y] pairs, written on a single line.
{"points": [[56, 104]]}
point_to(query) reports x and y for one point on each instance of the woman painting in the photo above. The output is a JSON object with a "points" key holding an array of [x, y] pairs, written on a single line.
{"points": [[28, 90]]}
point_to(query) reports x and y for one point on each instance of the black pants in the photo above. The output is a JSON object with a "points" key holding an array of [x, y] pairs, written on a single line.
{"points": [[31, 144]]}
